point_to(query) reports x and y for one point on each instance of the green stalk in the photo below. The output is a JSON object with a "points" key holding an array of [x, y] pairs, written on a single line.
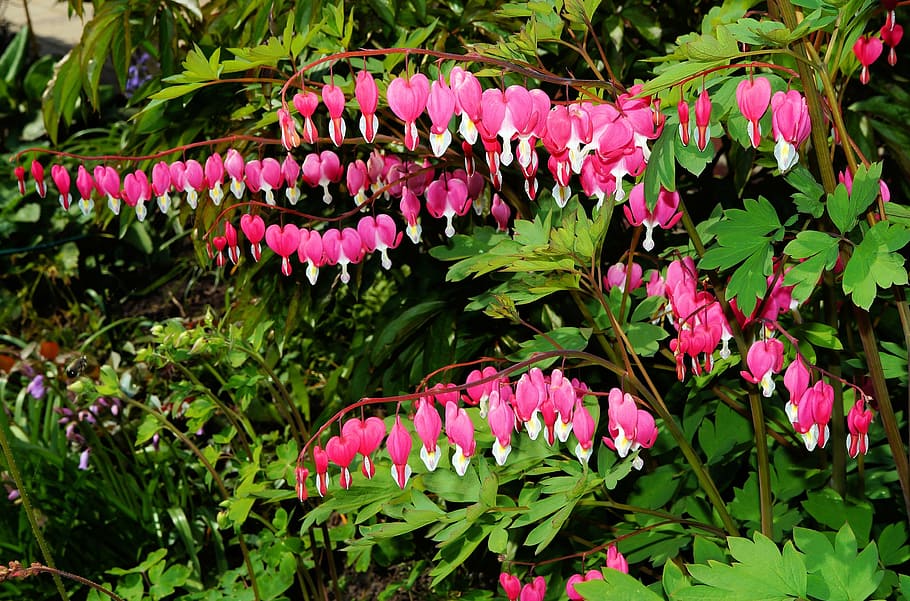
{"points": [[27, 505], [889, 420]]}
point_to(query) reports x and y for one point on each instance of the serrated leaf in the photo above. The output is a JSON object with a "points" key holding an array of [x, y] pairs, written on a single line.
{"points": [[616, 586]]}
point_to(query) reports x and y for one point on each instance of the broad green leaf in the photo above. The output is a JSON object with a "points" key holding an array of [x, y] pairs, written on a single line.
{"points": [[838, 573], [875, 262], [645, 337], [809, 191], [819, 334], [616, 586], [661, 169], [892, 544]]}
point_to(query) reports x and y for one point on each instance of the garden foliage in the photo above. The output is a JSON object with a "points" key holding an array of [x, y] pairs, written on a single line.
{"points": [[532, 301]]}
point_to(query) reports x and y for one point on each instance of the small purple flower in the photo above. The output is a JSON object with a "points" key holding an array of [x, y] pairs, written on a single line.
{"points": [[13, 494], [83, 459], [36, 387]]}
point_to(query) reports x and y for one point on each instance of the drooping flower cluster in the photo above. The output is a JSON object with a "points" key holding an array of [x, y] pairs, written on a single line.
{"points": [[551, 404], [103, 413], [698, 318]]}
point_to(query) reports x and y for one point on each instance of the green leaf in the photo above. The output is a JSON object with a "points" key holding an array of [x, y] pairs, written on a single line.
{"points": [[761, 572], [809, 192], [569, 338], [875, 262], [661, 169], [11, 59], [616, 586], [819, 334], [892, 544], [645, 337], [838, 573]]}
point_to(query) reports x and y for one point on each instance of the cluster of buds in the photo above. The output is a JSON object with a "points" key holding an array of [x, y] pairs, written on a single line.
{"points": [[550, 404], [535, 590], [615, 561]]}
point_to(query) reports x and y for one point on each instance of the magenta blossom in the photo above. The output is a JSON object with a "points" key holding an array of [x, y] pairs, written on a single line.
{"points": [[858, 420], [764, 359], [753, 97], [867, 50], [399, 446], [790, 124], [665, 214], [814, 413]]}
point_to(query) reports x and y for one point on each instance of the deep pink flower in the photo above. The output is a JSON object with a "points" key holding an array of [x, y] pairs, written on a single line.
{"points": [[399, 446], [685, 126], [891, 34], [501, 213], [322, 169], [38, 175], [290, 139], [333, 98], [616, 561], [511, 585], [367, 95], [410, 208], [530, 391], [407, 97], [440, 108], [535, 591], [108, 181], [630, 428], [448, 197], [271, 178], [341, 451], [161, 185], [796, 381], [460, 431], [858, 420], [790, 124], [814, 413], [468, 93], [583, 427], [284, 241], [311, 251], [616, 277], [214, 176], [428, 425], [867, 50], [502, 424], [665, 214], [85, 184], [300, 475], [61, 179], [753, 96], [703, 119], [234, 165], [306, 104], [764, 359], [254, 229], [321, 459], [370, 433], [230, 235], [290, 173], [20, 178]]}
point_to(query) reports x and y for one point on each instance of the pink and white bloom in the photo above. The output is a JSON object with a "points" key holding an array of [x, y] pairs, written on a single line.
{"points": [[407, 97], [583, 426], [685, 125], [300, 475], [312, 252], [322, 169], [530, 391], [891, 33], [379, 234], [367, 95], [234, 165], [61, 179], [535, 591], [764, 359], [468, 93], [460, 431], [38, 175], [399, 445], [306, 104], [753, 96], [341, 451], [665, 214], [333, 98], [703, 120], [790, 124], [85, 184], [617, 276], [576, 578], [502, 424], [441, 109], [630, 428], [428, 425], [284, 241], [867, 49], [254, 229], [501, 213], [271, 178], [108, 181], [20, 178], [410, 209], [814, 413], [290, 172], [321, 459], [214, 176], [796, 381], [161, 185], [858, 420], [446, 198]]}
